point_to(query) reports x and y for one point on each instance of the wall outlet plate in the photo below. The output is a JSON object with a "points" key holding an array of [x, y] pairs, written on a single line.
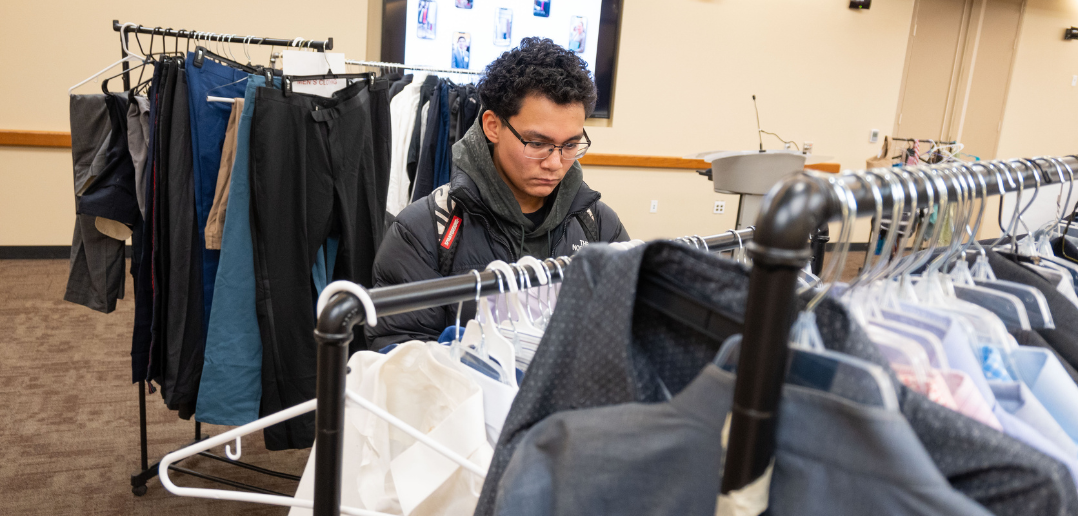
{"points": [[720, 207], [874, 136], [654, 206]]}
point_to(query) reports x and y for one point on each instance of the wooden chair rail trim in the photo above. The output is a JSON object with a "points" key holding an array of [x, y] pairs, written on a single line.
{"points": [[60, 139], [626, 160], [35, 138]]}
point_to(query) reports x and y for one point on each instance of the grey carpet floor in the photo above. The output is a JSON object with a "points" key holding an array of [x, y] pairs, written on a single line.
{"points": [[69, 438]]}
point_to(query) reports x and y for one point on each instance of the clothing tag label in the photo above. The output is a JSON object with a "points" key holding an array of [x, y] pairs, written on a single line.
{"points": [[315, 63], [451, 233]]}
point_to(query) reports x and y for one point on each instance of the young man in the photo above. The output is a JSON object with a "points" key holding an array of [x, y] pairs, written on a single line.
{"points": [[516, 189]]}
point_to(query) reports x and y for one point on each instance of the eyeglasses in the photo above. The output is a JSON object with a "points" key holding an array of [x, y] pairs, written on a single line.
{"points": [[543, 150]]}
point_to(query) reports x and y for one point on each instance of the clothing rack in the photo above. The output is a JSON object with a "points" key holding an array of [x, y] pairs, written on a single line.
{"points": [[790, 211], [344, 310], [224, 38], [380, 64], [938, 142], [149, 471]]}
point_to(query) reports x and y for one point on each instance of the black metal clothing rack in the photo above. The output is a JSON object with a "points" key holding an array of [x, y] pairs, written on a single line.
{"points": [[790, 211], [226, 38], [922, 141], [343, 311], [149, 471]]}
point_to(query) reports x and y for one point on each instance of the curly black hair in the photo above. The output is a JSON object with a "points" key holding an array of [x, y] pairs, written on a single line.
{"points": [[540, 66]]}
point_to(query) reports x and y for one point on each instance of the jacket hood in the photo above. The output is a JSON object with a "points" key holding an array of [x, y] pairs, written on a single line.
{"points": [[472, 155]]}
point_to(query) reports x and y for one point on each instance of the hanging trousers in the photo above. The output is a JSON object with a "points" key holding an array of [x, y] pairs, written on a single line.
{"points": [[142, 243], [178, 345], [232, 372], [312, 176], [96, 274], [208, 123]]}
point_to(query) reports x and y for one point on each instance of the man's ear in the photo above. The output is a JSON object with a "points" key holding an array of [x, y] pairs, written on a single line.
{"points": [[491, 125]]}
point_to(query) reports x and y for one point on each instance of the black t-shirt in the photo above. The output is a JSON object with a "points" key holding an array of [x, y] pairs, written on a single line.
{"points": [[537, 217]]}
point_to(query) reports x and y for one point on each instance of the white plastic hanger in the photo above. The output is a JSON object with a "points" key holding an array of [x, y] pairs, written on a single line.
{"points": [[473, 342], [484, 337], [129, 57], [512, 299], [303, 408], [543, 274]]}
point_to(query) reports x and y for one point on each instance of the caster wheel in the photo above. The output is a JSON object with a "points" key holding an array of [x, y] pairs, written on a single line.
{"points": [[138, 490]]}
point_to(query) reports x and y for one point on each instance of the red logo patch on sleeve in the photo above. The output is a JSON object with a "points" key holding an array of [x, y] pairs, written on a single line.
{"points": [[451, 232]]}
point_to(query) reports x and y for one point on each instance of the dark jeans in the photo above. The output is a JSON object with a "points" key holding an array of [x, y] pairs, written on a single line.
{"points": [[208, 123], [313, 175]]}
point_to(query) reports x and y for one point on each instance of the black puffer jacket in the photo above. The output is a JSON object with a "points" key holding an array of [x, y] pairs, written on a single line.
{"points": [[410, 249]]}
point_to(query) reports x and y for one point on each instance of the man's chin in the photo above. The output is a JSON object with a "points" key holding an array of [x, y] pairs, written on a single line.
{"points": [[541, 190]]}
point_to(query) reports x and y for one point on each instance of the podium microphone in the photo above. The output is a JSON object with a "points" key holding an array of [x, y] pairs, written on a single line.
{"points": [[759, 130]]}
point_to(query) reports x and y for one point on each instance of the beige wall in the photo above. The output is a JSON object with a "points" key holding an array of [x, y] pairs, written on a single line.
{"points": [[687, 70], [36, 198], [1042, 109]]}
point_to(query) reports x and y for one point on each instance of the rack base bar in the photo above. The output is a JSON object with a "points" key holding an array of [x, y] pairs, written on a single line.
{"points": [[224, 481], [139, 480], [251, 467]]}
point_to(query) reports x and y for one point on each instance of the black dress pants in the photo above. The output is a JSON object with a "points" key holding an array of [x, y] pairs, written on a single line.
{"points": [[178, 343], [313, 175]]}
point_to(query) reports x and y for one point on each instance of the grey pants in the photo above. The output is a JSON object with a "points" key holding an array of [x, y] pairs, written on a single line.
{"points": [[96, 276]]}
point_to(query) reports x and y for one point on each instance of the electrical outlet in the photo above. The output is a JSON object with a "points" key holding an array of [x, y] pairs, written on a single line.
{"points": [[720, 207], [1074, 80], [654, 206], [874, 136]]}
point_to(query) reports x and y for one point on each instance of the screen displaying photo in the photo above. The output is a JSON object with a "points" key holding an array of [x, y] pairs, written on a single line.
{"points": [[578, 34], [503, 28], [462, 50], [490, 27], [542, 8], [427, 20]]}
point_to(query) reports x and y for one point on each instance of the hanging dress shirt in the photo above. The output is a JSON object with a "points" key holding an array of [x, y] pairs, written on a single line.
{"points": [[387, 470]]}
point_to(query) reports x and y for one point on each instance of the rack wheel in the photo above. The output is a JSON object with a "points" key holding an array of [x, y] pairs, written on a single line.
{"points": [[139, 490]]}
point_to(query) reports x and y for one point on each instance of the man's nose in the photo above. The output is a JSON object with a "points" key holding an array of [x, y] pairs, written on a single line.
{"points": [[553, 161]]}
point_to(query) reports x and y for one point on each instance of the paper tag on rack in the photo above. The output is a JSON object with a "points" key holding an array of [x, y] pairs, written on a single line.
{"points": [[298, 62]]}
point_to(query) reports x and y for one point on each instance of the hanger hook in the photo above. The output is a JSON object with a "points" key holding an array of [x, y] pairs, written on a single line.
{"points": [[227, 47], [877, 223], [1005, 231], [940, 209], [247, 48], [898, 206], [982, 194], [460, 305], [1016, 218], [139, 41], [910, 261], [904, 238], [703, 243], [848, 205], [739, 243], [237, 454]]}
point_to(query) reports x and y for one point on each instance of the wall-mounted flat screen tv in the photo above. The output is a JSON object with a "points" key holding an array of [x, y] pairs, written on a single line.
{"points": [[469, 34]]}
